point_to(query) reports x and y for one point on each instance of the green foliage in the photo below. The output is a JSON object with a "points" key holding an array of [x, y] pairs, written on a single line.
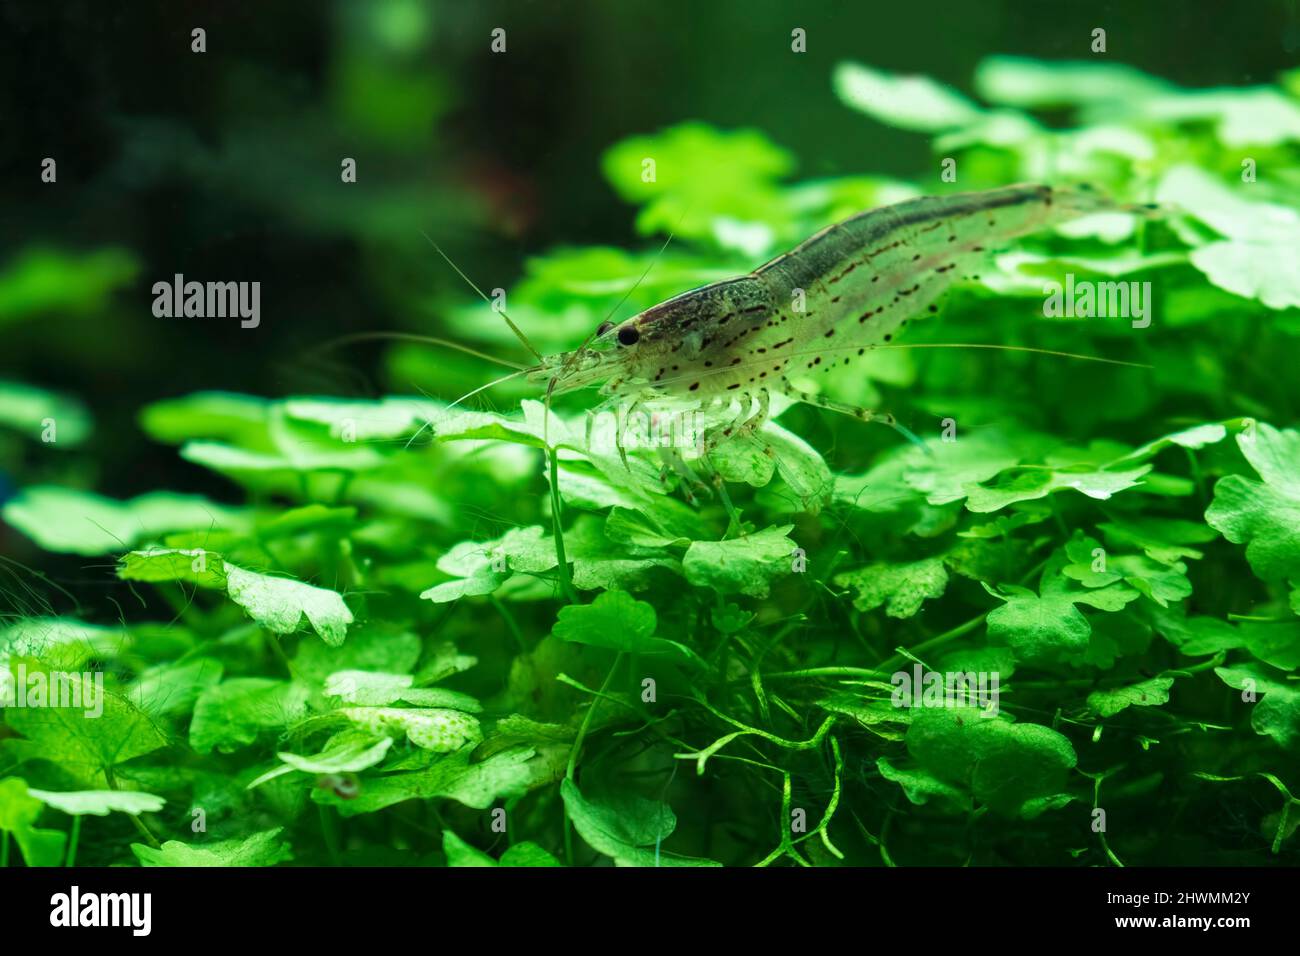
{"points": [[394, 634]]}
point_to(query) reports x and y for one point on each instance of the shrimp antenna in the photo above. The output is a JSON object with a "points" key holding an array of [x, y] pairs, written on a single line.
{"points": [[412, 337], [482, 295], [471, 394], [637, 284]]}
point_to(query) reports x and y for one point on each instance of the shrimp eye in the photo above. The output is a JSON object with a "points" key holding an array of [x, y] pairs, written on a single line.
{"points": [[603, 328], [628, 335]]}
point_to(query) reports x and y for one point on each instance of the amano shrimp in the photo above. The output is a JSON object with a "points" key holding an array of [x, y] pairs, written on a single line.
{"points": [[849, 288], [725, 349]]}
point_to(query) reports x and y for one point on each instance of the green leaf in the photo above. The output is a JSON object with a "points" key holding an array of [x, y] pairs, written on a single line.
{"points": [[436, 729], [100, 802], [83, 746], [371, 688], [527, 853], [48, 417], [232, 714], [903, 588], [259, 849], [1274, 704], [18, 813], [79, 522], [168, 689], [375, 646], [746, 565], [907, 102], [1093, 568], [623, 828], [1264, 515], [1243, 116], [1148, 693], [278, 604], [1198, 436], [1029, 484], [920, 786], [62, 643], [502, 776], [461, 854], [1021, 81], [702, 178], [228, 416], [474, 564], [1165, 540], [42, 280], [347, 752], [1004, 765], [1048, 625], [617, 621], [1267, 272], [1259, 258], [364, 421]]}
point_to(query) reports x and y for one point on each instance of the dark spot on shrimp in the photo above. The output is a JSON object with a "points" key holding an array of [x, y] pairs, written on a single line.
{"points": [[694, 386], [737, 385], [845, 272]]}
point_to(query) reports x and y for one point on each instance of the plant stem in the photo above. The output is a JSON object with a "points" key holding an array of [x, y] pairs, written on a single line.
{"points": [[565, 581], [139, 824], [577, 746], [511, 624], [937, 641], [330, 833], [586, 719], [4, 848], [827, 672], [73, 838]]}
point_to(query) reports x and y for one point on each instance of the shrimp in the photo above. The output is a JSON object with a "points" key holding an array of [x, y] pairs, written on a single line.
{"points": [[725, 349], [849, 288]]}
